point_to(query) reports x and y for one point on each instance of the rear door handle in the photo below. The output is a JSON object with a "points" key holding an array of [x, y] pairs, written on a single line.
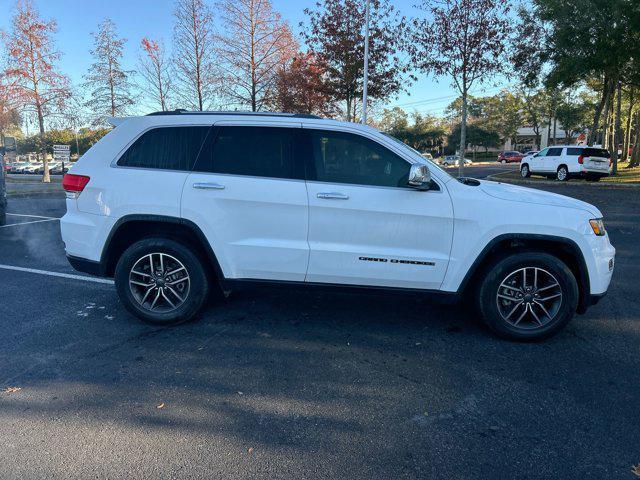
{"points": [[333, 196], [208, 186]]}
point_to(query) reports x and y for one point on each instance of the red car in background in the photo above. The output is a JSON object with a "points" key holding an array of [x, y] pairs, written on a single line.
{"points": [[510, 156]]}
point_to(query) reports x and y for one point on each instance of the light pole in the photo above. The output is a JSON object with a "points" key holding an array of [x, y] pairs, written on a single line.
{"points": [[366, 63]]}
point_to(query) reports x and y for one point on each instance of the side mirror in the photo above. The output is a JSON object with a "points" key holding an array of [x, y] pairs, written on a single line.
{"points": [[419, 177]]}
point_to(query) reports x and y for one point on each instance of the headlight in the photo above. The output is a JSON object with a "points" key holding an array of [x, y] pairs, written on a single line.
{"points": [[597, 225]]}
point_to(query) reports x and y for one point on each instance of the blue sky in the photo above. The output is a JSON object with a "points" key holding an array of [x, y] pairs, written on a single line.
{"points": [[138, 18]]}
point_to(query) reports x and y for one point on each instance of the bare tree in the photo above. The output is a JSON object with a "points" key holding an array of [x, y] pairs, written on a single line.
{"points": [[154, 68], [464, 40], [31, 68], [110, 85], [193, 38], [254, 44]]}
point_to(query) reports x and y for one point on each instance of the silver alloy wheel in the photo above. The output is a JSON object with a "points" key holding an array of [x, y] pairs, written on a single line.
{"points": [[562, 173], [159, 282], [529, 298], [524, 171]]}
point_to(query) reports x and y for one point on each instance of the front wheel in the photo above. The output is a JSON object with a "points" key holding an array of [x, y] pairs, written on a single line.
{"points": [[161, 281], [503, 161], [562, 174], [524, 171], [528, 296]]}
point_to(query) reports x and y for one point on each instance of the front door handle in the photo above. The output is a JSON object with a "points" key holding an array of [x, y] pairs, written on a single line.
{"points": [[333, 196], [208, 186]]}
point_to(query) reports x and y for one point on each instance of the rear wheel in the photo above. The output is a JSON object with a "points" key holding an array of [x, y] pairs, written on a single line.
{"points": [[503, 161], [562, 173], [161, 281], [524, 171], [528, 296]]}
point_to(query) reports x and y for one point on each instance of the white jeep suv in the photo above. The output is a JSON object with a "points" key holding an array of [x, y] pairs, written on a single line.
{"points": [[563, 163], [172, 204]]}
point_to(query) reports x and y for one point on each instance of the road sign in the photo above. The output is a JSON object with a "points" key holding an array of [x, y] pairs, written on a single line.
{"points": [[62, 152]]}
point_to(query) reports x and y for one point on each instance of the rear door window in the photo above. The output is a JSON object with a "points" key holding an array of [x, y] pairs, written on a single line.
{"points": [[166, 148], [251, 151]]}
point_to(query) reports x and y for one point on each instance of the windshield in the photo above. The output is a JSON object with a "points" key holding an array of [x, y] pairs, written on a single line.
{"points": [[416, 154]]}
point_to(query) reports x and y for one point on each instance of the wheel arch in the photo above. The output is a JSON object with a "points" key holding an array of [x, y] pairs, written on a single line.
{"points": [[563, 248], [131, 228]]}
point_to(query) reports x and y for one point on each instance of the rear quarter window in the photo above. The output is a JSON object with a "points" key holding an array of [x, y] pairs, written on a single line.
{"points": [[166, 148]]}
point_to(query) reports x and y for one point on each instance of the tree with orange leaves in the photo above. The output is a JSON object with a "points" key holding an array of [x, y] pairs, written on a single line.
{"points": [[299, 88], [31, 70], [155, 71]]}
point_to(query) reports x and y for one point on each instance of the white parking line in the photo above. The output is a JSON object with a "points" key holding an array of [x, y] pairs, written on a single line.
{"points": [[56, 274], [29, 223], [32, 216]]}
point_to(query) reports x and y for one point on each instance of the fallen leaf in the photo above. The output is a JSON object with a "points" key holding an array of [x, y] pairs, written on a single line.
{"points": [[13, 389], [635, 469], [160, 406], [250, 449]]}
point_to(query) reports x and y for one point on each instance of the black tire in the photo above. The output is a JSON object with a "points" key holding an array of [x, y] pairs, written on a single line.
{"points": [[562, 174], [488, 300], [524, 171], [503, 162], [198, 287]]}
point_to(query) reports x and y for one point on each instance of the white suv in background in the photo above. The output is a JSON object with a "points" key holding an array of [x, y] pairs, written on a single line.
{"points": [[563, 163], [175, 204]]}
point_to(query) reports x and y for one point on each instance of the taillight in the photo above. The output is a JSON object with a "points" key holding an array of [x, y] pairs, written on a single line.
{"points": [[73, 185], [581, 159]]}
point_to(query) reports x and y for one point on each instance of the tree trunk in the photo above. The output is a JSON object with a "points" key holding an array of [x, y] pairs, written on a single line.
{"points": [[616, 129], [627, 131], [635, 154], [607, 117], [598, 113], [45, 163], [463, 134]]}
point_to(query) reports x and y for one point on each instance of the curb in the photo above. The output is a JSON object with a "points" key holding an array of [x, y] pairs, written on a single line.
{"points": [[54, 181], [497, 177], [34, 194]]}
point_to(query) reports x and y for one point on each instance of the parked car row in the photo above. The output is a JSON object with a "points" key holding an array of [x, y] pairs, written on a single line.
{"points": [[36, 168]]}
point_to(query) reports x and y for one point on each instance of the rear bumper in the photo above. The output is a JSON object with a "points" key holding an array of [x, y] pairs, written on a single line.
{"points": [[86, 266], [587, 172]]}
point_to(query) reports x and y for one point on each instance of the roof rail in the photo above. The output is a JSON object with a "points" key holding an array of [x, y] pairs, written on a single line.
{"points": [[182, 111]]}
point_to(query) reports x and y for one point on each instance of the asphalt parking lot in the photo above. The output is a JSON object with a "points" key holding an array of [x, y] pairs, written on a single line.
{"points": [[272, 384]]}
